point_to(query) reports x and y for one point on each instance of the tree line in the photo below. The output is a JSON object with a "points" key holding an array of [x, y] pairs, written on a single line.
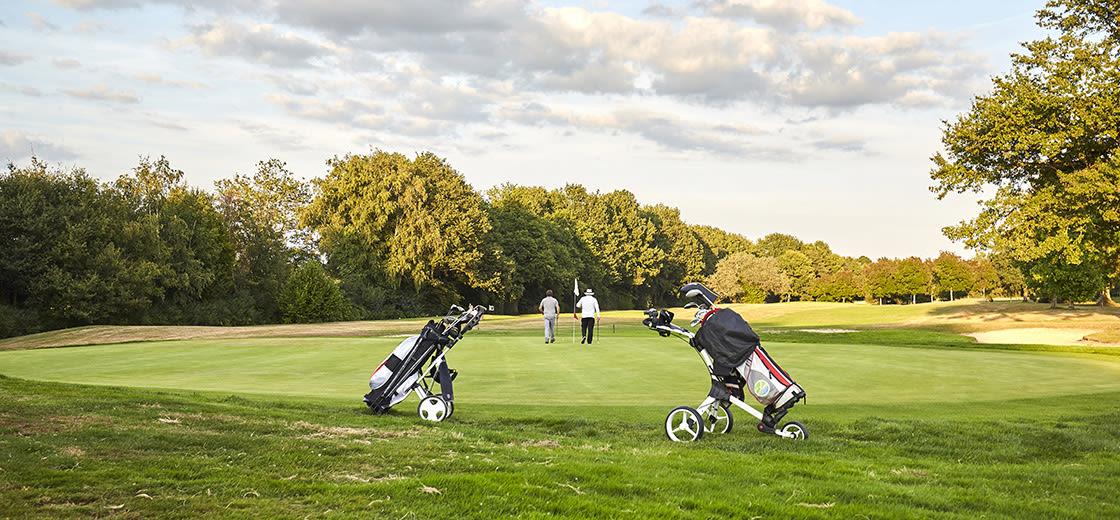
{"points": [[382, 235]]}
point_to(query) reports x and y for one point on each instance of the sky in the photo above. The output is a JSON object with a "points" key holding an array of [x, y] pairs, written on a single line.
{"points": [[811, 118]]}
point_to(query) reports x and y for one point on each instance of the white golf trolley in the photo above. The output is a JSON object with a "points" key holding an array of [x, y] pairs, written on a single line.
{"points": [[419, 363], [735, 358]]}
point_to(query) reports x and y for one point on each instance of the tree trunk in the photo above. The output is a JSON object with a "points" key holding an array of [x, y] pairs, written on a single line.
{"points": [[1053, 301], [913, 299], [1106, 298], [951, 297]]}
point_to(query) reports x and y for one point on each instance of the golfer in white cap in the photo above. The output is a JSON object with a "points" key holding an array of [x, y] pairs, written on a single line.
{"points": [[590, 307]]}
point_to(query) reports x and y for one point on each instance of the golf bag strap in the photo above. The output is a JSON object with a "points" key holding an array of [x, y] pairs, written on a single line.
{"points": [[445, 382]]}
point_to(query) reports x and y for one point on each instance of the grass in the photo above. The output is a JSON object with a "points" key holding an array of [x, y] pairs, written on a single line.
{"points": [[902, 424]]}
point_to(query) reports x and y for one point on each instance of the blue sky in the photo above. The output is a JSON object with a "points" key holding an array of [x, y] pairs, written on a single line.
{"points": [[813, 118]]}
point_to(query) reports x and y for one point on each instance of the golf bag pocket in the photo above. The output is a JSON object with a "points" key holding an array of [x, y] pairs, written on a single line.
{"points": [[766, 381], [390, 366]]}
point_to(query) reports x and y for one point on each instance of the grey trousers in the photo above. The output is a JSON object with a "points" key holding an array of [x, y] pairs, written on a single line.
{"points": [[550, 328]]}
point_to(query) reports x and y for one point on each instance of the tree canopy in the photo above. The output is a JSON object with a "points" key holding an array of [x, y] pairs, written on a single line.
{"points": [[1045, 141]]}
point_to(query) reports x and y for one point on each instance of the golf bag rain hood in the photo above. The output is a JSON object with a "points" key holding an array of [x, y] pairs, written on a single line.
{"points": [[735, 348], [728, 339]]}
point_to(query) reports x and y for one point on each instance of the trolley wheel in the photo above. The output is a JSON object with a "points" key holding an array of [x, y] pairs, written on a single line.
{"points": [[433, 408], [684, 424], [796, 429], [718, 419], [450, 408]]}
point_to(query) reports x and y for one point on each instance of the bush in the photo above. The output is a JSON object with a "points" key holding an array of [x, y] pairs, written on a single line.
{"points": [[17, 322], [310, 296]]}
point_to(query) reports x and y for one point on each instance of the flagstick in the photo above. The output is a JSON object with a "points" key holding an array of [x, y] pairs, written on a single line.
{"points": [[575, 294]]}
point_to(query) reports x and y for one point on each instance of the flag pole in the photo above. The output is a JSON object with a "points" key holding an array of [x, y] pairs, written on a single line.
{"points": [[575, 294]]}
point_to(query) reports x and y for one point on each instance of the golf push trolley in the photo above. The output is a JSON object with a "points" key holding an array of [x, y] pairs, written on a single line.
{"points": [[419, 363], [735, 359]]}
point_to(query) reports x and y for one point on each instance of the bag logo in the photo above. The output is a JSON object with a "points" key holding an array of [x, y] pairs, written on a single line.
{"points": [[761, 388]]}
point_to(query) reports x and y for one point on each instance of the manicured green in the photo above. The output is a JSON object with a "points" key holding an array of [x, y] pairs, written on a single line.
{"points": [[276, 428]]}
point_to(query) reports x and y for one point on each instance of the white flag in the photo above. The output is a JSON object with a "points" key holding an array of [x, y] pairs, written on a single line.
{"points": [[576, 291]]}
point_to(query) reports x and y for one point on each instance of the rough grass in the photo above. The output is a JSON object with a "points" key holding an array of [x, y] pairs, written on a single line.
{"points": [[75, 451]]}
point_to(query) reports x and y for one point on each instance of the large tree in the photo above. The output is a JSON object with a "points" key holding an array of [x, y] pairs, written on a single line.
{"points": [[719, 244], [619, 237], [527, 252], [951, 274], [743, 277], [261, 212], [881, 278], [385, 219], [799, 270], [912, 277], [1045, 144], [684, 254]]}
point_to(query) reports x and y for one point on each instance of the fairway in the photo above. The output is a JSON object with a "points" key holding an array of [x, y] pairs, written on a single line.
{"points": [[623, 370]]}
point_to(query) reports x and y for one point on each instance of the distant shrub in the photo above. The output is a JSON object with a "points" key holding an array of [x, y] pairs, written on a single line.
{"points": [[310, 296]]}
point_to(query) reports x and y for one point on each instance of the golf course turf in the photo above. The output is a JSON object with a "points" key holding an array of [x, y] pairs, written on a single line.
{"points": [[903, 423]]}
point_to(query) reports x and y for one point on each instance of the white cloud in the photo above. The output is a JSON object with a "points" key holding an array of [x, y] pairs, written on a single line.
{"points": [[348, 18], [40, 23], [96, 4], [669, 131], [88, 26], [12, 58], [103, 92], [18, 145], [156, 79], [786, 15], [67, 63], [343, 111], [262, 44]]}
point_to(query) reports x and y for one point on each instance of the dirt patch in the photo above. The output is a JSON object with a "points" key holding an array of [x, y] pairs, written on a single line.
{"points": [[1034, 336], [331, 432], [52, 425]]}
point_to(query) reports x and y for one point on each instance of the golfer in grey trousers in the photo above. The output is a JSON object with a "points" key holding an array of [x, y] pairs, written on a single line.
{"points": [[551, 309]]}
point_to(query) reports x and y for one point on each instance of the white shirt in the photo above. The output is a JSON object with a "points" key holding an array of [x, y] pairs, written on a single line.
{"points": [[589, 305]]}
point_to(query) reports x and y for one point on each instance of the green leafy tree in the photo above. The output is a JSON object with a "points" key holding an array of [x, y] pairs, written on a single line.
{"points": [[1044, 143], [1011, 281], [838, 287], [951, 274], [799, 270], [719, 244], [310, 296], [775, 244], [912, 277], [684, 255], [823, 260], [384, 219], [185, 242], [1061, 280], [846, 285], [262, 214], [63, 263], [881, 279], [743, 277], [619, 238], [985, 278], [529, 254]]}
